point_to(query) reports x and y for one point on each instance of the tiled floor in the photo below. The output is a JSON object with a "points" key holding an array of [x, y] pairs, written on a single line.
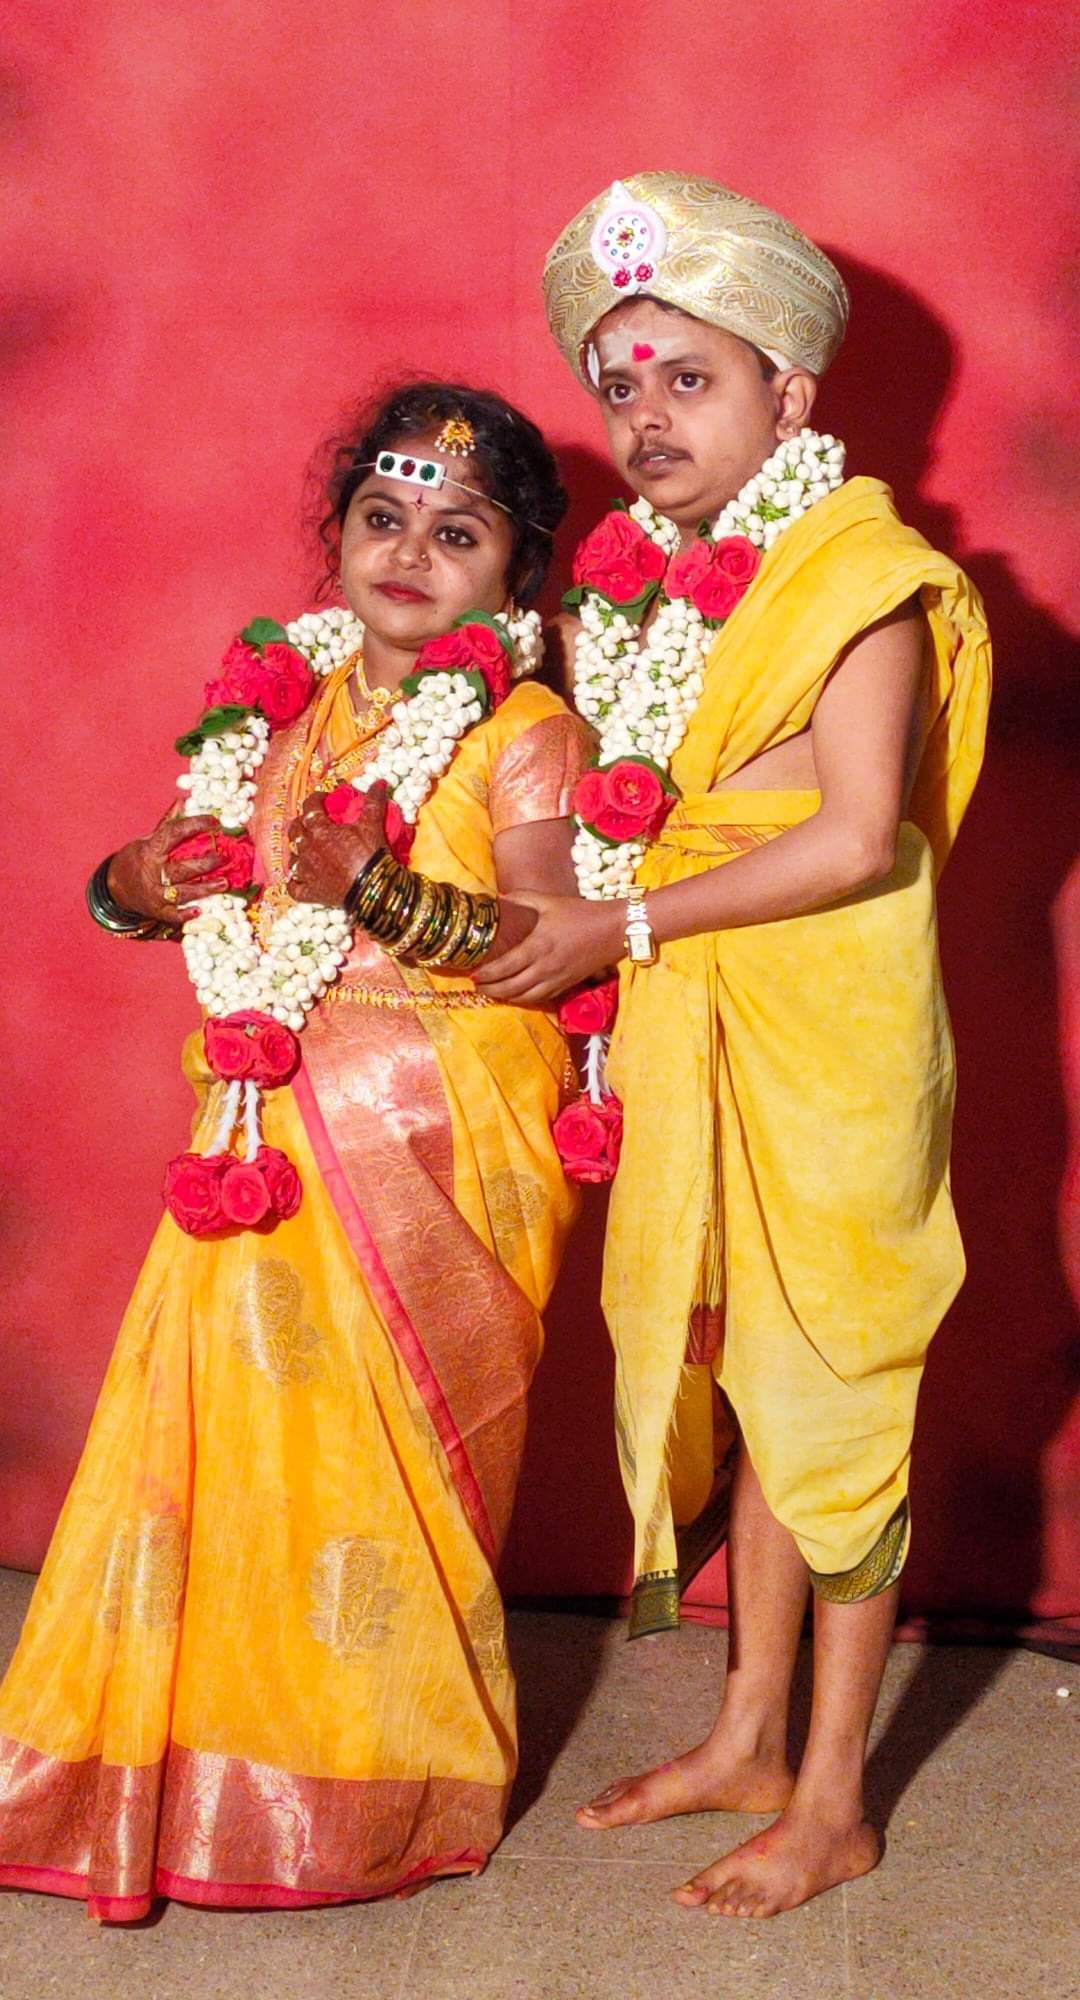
{"points": [[974, 1773]]}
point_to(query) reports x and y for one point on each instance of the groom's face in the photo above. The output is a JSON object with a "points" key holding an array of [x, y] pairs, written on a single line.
{"points": [[691, 412]]}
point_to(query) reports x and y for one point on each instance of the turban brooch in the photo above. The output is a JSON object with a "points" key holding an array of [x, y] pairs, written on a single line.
{"points": [[712, 253]]}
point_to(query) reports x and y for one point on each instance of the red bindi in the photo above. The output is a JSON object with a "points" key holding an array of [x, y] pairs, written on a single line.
{"points": [[642, 351]]}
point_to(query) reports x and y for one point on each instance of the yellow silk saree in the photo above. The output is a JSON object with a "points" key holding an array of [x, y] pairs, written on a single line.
{"points": [[265, 1662], [781, 1220]]}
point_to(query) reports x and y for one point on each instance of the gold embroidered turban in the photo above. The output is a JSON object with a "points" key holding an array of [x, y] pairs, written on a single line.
{"points": [[714, 254]]}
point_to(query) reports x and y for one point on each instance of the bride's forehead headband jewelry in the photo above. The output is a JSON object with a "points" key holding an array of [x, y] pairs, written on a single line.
{"points": [[458, 440], [711, 253]]}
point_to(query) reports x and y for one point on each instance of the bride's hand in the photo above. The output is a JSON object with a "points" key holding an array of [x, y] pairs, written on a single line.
{"points": [[140, 873], [328, 856]]}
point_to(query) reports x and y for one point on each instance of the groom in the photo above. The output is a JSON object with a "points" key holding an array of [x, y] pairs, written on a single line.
{"points": [[789, 689]]}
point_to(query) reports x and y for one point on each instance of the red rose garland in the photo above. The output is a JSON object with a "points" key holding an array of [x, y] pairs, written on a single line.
{"points": [[588, 1130], [233, 855], [470, 648], [264, 684], [714, 575], [205, 1192], [275, 679], [590, 1010], [344, 805], [627, 799], [619, 560], [588, 1137]]}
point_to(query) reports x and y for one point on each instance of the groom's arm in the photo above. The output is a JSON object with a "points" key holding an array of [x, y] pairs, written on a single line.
{"points": [[560, 640]]}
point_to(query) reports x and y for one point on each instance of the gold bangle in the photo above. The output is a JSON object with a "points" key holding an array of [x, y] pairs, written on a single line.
{"points": [[430, 917], [454, 934], [429, 923], [366, 906], [394, 911], [434, 936], [483, 933], [363, 891], [476, 921], [417, 921]]}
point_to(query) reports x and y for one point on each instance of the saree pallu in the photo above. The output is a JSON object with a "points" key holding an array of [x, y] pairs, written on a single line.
{"points": [[265, 1663], [782, 1217]]}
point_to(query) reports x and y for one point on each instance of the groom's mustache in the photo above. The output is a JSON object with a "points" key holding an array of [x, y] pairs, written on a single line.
{"points": [[655, 450]]}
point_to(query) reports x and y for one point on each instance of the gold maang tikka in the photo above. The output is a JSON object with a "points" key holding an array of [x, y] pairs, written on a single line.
{"points": [[456, 438]]}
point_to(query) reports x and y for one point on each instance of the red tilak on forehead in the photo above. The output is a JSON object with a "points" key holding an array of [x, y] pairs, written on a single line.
{"points": [[642, 351]]}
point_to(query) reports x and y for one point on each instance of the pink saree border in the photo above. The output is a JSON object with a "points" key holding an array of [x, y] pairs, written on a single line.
{"points": [[207, 1829], [390, 1303], [227, 1895], [269, 1896]]}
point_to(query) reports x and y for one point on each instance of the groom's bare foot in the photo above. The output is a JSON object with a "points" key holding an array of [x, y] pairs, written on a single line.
{"points": [[796, 1858], [712, 1778]]}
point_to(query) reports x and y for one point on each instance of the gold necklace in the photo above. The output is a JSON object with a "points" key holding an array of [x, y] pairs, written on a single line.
{"points": [[323, 775], [380, 696], [328, 772]]}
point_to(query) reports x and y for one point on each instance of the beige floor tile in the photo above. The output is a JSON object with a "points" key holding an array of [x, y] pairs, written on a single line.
{"points": [[980, 1927], [356, 1952], [973, 1769], [15, 1589], [972, 1736], [598, 1707], [606, 1931]]}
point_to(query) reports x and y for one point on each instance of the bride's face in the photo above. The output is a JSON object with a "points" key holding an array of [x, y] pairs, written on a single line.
{"points": [[413, 560]]}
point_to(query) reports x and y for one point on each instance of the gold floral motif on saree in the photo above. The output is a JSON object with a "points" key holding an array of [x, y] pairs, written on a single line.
{"points": [[144, 1573], [273, 1336], [352, 1603], [486, 1628], [158, 1568], [514, 1202]]}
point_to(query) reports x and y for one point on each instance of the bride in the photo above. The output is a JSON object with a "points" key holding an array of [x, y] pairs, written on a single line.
{"points": [[265, 1661]]}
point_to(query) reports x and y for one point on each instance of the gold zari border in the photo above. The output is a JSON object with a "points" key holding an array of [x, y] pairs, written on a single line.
{"points": [[389, 996], [875, 1572]]}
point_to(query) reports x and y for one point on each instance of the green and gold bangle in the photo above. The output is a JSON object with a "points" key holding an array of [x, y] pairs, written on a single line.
{"points": [[428, 923], [114, 918]]}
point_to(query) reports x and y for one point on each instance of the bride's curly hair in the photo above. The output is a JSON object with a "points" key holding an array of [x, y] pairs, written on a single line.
{"points": [[510, 461]]}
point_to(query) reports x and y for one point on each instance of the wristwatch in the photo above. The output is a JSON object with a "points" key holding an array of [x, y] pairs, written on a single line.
{"points": [[640, 942]]}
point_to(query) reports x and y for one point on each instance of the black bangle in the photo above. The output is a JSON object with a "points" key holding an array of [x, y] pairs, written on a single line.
{"points": [[356, 885], [112, 916]]}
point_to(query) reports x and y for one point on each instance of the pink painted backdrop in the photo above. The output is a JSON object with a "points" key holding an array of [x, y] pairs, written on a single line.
{"points": [[229, 222]]}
